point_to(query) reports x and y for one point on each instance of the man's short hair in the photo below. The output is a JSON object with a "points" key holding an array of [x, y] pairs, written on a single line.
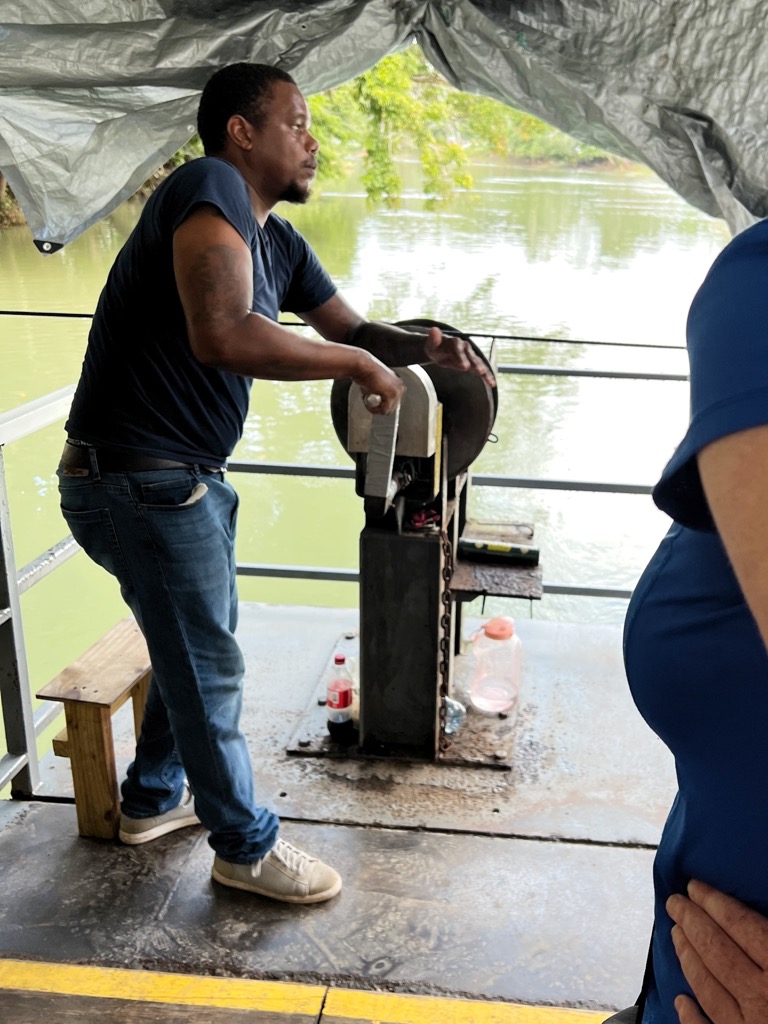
{"points": [[235, 89]]}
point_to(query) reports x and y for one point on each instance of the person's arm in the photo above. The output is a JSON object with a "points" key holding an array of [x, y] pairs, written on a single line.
{"points": [[337, 321], [214, 276], [734, 475], [722, 946]]}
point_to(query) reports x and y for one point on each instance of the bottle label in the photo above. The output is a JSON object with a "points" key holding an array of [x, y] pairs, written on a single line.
{"points": [[339, 698]]}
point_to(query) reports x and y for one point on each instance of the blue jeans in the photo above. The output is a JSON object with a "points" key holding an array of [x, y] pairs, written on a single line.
{"points": [[168, 537]]}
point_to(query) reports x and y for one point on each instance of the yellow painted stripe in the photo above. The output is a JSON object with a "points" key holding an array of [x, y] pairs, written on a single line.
{"points": [[275, 997], [150, 986], [386, 1008]]}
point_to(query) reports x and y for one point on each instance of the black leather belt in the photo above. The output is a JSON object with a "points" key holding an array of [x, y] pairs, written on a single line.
{"points": [[109, 460]]}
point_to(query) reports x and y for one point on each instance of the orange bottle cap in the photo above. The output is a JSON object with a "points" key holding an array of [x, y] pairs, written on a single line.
{"points": [[500, 628]]}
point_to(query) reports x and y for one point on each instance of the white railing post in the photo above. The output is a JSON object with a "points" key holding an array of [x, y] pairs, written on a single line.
{"points": [[22, 768]]}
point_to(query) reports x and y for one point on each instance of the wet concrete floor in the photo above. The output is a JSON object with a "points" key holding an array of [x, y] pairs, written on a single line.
{"points": [[528, 886]]}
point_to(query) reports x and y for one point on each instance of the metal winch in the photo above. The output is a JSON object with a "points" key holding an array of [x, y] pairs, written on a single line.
{"points": [[411, 471]]}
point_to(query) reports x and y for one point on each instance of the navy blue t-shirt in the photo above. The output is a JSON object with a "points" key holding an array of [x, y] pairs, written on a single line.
{"points": [[696, 663], [141, 388]]}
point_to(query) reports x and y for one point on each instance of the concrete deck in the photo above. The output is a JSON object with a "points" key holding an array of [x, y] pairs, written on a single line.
{"points": [[531, 885]]}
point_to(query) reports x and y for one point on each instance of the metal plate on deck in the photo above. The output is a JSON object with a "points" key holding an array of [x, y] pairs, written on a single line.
{"points": [[482, 741]]}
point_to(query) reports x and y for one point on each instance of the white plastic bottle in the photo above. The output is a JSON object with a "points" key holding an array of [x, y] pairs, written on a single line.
{"points": [[338, 701], [495, 686]]}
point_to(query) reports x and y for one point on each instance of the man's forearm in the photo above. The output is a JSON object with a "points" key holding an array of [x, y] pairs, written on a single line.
{"points": [[255, 346], [392, 345]]}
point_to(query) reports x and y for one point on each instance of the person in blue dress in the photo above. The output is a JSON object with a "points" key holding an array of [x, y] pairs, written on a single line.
{"points": [[695, 647]]}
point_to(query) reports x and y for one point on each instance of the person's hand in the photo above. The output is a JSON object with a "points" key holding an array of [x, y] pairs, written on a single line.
{"points": [[722, 946], [455, 353], [377, 381]]}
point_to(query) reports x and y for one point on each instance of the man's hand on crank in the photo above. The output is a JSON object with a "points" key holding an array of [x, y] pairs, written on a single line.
{"points": [[455, 353]]}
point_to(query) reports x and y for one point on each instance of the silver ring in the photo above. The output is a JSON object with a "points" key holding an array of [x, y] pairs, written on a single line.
{"points": [[372, 401]]}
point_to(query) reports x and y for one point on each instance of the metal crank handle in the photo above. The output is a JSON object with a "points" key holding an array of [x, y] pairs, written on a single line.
{"points": [[372, 401]]}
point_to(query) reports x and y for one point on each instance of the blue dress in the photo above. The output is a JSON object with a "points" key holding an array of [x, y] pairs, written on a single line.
{"points": [[696, 664]]}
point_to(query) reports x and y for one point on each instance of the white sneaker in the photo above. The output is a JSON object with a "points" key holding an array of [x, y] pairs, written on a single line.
{"points": [[285, 873], [135, 831]]}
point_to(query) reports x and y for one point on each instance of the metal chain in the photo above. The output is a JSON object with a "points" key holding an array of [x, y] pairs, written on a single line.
{"points": [[445, 633]]}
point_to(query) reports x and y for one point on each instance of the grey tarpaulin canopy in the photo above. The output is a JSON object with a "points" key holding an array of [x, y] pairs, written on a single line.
{"points": [[96, 94]]}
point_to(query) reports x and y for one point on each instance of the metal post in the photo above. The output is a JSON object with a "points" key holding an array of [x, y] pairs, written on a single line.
{"points": [[14, 677], [400, 611], [459, 522]]}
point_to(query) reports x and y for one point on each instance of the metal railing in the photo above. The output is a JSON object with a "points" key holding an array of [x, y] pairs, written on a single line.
{"points": [[23, 724]]}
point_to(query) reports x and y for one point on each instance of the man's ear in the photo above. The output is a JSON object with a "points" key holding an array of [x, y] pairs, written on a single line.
{"points": [[240, 131]]}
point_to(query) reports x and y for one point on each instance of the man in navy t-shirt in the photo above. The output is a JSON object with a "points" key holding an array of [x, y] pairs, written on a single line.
{"points": [[187, 318]]}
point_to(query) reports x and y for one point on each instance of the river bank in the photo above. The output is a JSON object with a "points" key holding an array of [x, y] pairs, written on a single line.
{"points": [[11, 214]]}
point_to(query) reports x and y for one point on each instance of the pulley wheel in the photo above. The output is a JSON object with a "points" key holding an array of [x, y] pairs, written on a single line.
{"points": [[469, 403]]}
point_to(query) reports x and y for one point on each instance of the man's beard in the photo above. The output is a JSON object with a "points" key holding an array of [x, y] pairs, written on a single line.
{"points": [[293, 194]]}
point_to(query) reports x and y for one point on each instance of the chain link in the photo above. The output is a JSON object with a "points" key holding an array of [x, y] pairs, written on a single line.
{"points": [[445, 633]]}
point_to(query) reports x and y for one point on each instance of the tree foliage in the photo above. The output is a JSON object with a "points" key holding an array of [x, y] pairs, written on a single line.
{"points": [[396, 108], [402, 106]]}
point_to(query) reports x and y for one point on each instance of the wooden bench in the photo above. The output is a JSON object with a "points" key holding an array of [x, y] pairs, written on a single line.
{"points": [[92, 688]]}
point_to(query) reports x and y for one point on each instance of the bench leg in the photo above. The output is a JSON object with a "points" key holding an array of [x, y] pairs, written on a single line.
{"points": [[92, 758], [139, 698]]}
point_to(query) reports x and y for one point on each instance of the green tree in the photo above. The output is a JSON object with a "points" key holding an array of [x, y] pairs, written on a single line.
{"points": [[339, 124], [397, 107], [10, 213], [403, 106], [488, 126]]}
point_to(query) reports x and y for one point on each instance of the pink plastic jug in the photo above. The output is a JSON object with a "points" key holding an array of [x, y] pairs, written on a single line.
{"points": [[495, 686]]}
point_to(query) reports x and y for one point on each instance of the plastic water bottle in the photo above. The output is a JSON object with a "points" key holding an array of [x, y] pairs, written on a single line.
{"points": [[338, 701], [455, 714], [495, 685]]}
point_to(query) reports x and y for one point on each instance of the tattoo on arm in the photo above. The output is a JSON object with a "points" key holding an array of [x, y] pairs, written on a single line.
{"points": [[215, 281]]}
